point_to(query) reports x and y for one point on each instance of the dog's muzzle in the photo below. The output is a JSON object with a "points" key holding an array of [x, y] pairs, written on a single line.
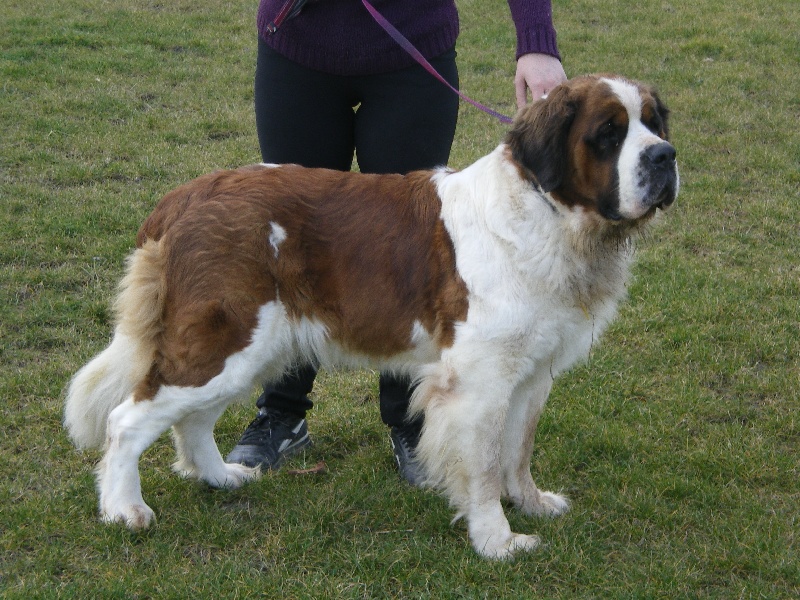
{"points": [[660, 168]]}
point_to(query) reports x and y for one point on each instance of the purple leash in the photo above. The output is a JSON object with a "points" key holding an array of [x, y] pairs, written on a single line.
{"points": [[416, 55]]}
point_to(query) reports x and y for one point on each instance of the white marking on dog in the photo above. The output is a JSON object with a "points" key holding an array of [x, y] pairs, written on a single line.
{"points": [[276, 236]]}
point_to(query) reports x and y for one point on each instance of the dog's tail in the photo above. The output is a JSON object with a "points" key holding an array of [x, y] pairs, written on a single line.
{"points": [[110, 377]]}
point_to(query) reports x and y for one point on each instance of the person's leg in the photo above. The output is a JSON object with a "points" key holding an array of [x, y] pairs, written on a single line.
{"points": [[406, 121], [407, 118], [303, 117]]}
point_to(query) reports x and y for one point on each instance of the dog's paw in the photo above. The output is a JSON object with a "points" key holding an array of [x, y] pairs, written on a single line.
{"points": [[234, 476], [134, 516], [222, 475], [551, 505], [504, 548], [492, 537], [542, 504]]}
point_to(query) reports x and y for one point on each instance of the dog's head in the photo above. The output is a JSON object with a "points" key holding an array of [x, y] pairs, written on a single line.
{"points": [[599, 143]]}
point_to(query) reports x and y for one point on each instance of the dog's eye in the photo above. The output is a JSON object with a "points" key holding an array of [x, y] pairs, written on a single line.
{"points": [[606, 139], [654, 124], [608, 136]]}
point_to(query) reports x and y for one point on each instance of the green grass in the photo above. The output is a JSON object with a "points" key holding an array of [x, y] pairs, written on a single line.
{"points": [[678, 442]]}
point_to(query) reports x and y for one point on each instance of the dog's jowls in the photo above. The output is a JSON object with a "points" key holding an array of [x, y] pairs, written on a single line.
{"points": [[482, 284]]}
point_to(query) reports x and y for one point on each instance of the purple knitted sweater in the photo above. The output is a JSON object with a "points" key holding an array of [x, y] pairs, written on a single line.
{"points": [[340, 36]]}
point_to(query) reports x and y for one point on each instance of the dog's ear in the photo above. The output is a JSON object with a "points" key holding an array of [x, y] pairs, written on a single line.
{"points": [[538, 137]]}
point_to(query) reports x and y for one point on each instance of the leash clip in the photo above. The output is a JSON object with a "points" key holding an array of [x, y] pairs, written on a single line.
{"points": [[290, 9]]}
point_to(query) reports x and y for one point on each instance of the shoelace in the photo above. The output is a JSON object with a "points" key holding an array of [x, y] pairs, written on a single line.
{"points": [[263, 426]]}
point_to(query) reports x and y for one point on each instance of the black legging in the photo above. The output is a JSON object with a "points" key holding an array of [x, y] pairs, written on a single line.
{"points": [[392, 122]]}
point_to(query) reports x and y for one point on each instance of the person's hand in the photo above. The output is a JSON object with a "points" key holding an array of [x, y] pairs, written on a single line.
{"points": [[538, 73]]}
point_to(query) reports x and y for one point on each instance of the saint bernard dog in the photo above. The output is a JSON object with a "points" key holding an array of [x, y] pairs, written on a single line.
{"points": [[481, 284]]}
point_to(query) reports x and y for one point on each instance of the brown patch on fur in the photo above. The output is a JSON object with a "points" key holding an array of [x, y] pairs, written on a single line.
{"points": [[214, 276], [366, 255]]}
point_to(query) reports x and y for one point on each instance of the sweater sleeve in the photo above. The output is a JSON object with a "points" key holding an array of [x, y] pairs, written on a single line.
{"points": [[533, 20]]}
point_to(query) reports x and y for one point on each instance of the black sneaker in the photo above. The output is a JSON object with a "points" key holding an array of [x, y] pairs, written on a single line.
{"points": [[404, 442], [270, 439]]}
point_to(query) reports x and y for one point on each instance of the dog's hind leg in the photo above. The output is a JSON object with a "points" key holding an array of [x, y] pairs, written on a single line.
{"points": [[132, 427], [198, 454], [526, 407], [265, 358]]}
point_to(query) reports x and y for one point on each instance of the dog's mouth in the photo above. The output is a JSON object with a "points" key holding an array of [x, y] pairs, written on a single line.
{"points": [[662, 202], [652, 212], [666, 197]]}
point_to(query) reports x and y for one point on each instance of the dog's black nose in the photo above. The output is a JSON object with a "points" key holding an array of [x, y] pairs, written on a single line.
{"points": [[661, 154]]}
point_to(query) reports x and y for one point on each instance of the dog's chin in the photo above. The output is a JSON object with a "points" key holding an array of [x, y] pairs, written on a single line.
{"points": [[651, 213], [641, 215]]}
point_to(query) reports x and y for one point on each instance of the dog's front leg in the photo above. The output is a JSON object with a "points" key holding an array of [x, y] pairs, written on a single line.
{"points": [[460, 449], [489, 530], [527, 404]]}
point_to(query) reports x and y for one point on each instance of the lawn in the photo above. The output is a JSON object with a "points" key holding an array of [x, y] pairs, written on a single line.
{"points": [[678, 441]]}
